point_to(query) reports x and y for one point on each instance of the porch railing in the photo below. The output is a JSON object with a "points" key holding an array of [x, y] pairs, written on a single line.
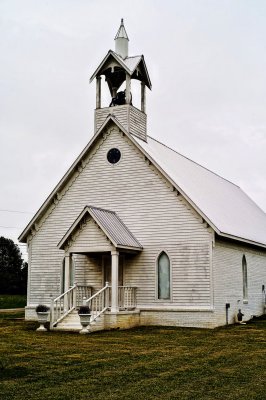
{"points": [[98, 303], [62, 305], [82, 291], [127, 297], [77, 295]]}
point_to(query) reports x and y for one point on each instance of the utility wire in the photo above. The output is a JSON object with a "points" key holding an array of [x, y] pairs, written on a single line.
{"points": [[20, 212], [10, 227]]}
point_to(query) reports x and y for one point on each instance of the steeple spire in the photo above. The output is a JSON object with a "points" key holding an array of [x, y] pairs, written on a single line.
{"points": [[121, 41]]}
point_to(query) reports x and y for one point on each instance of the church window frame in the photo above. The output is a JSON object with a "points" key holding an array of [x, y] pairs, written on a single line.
{"points": [[158, 298], [113, 164], [245, 278]]}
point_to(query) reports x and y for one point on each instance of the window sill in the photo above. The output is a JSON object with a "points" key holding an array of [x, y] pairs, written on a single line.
{"points": [[245, 301]]}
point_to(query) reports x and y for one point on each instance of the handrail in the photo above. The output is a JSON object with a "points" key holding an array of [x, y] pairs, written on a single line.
{"points": [[63, 294], [96, 294], [66, 302], [62, 305], [98, 303]]}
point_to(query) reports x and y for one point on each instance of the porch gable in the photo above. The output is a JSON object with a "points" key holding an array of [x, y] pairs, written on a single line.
{"points": [[97, 229]]}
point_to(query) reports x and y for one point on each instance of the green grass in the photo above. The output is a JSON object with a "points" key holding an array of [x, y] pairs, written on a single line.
{"points": [[143, 364], [12, 301]]}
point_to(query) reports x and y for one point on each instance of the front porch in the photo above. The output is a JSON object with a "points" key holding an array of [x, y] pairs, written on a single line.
{"points": [[64, 316], [104, 242]]}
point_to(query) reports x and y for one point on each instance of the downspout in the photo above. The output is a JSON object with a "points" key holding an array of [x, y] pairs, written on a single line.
{"points": [[227, 306]]}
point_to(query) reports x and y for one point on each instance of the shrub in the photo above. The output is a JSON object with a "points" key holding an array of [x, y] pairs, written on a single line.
{"points": [[84, 310], [42, 308]]}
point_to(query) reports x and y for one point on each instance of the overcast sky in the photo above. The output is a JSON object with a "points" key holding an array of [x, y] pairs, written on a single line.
{"points": [[207, 64]]}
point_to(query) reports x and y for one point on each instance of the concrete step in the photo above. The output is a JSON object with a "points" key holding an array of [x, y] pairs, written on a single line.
{"points": [[67, 328], [72, 323]]}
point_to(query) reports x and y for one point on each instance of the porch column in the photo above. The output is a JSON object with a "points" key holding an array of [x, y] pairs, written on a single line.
{"points": [[143, 97], [128, 89], [67, 279], [114, 286]]}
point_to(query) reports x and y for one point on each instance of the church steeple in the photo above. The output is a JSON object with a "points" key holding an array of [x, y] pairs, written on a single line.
{"points": [[117, 67], [121, 41]]}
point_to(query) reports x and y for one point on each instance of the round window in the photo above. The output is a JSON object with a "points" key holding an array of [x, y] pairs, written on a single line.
{"points": [[113, 156]]}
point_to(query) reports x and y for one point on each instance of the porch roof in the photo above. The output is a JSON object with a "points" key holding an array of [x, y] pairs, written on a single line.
{"points": [[109, 222]]}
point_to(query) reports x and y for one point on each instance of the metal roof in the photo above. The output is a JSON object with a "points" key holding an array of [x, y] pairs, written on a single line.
{"points": [[114, 228], [121, 33], [129, 64], [225, 206]]}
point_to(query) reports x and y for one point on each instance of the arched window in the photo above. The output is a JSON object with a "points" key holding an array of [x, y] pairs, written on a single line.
{"points": [[245, 278], [163, 276]]}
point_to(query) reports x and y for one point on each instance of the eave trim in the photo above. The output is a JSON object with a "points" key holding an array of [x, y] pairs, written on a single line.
{"points": [[109, 119], [89, 210]]}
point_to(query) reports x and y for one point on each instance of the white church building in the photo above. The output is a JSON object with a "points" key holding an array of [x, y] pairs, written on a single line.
{"points": [[140, 233]]}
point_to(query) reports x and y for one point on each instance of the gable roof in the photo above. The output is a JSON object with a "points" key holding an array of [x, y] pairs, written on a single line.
{"points": [[110, 224], [227, 209], [223, 204], [130, 64]]}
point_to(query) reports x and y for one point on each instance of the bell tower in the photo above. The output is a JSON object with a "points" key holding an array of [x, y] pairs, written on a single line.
{"points": [[118, 67]]}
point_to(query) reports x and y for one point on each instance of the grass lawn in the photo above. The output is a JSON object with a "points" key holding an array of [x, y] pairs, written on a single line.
{"points": [[144, 363], [12, 300]]}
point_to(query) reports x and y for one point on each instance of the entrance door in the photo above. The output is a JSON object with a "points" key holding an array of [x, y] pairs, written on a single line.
{"points": [[107, 270]]}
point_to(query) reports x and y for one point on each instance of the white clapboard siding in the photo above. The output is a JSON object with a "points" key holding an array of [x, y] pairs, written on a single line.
{"points": [[138, 123], [131, 118], [89, 237], [88, 271], [228, 280], [147, 204]]}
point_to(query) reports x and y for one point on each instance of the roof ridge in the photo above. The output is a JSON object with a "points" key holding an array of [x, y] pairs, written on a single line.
{"points": [[99, 208], [139, 55], [202, 166], [253, 201]]}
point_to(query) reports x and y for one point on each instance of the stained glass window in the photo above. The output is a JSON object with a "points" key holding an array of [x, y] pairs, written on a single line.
{"points": [[245, 277], [163, 271]]}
